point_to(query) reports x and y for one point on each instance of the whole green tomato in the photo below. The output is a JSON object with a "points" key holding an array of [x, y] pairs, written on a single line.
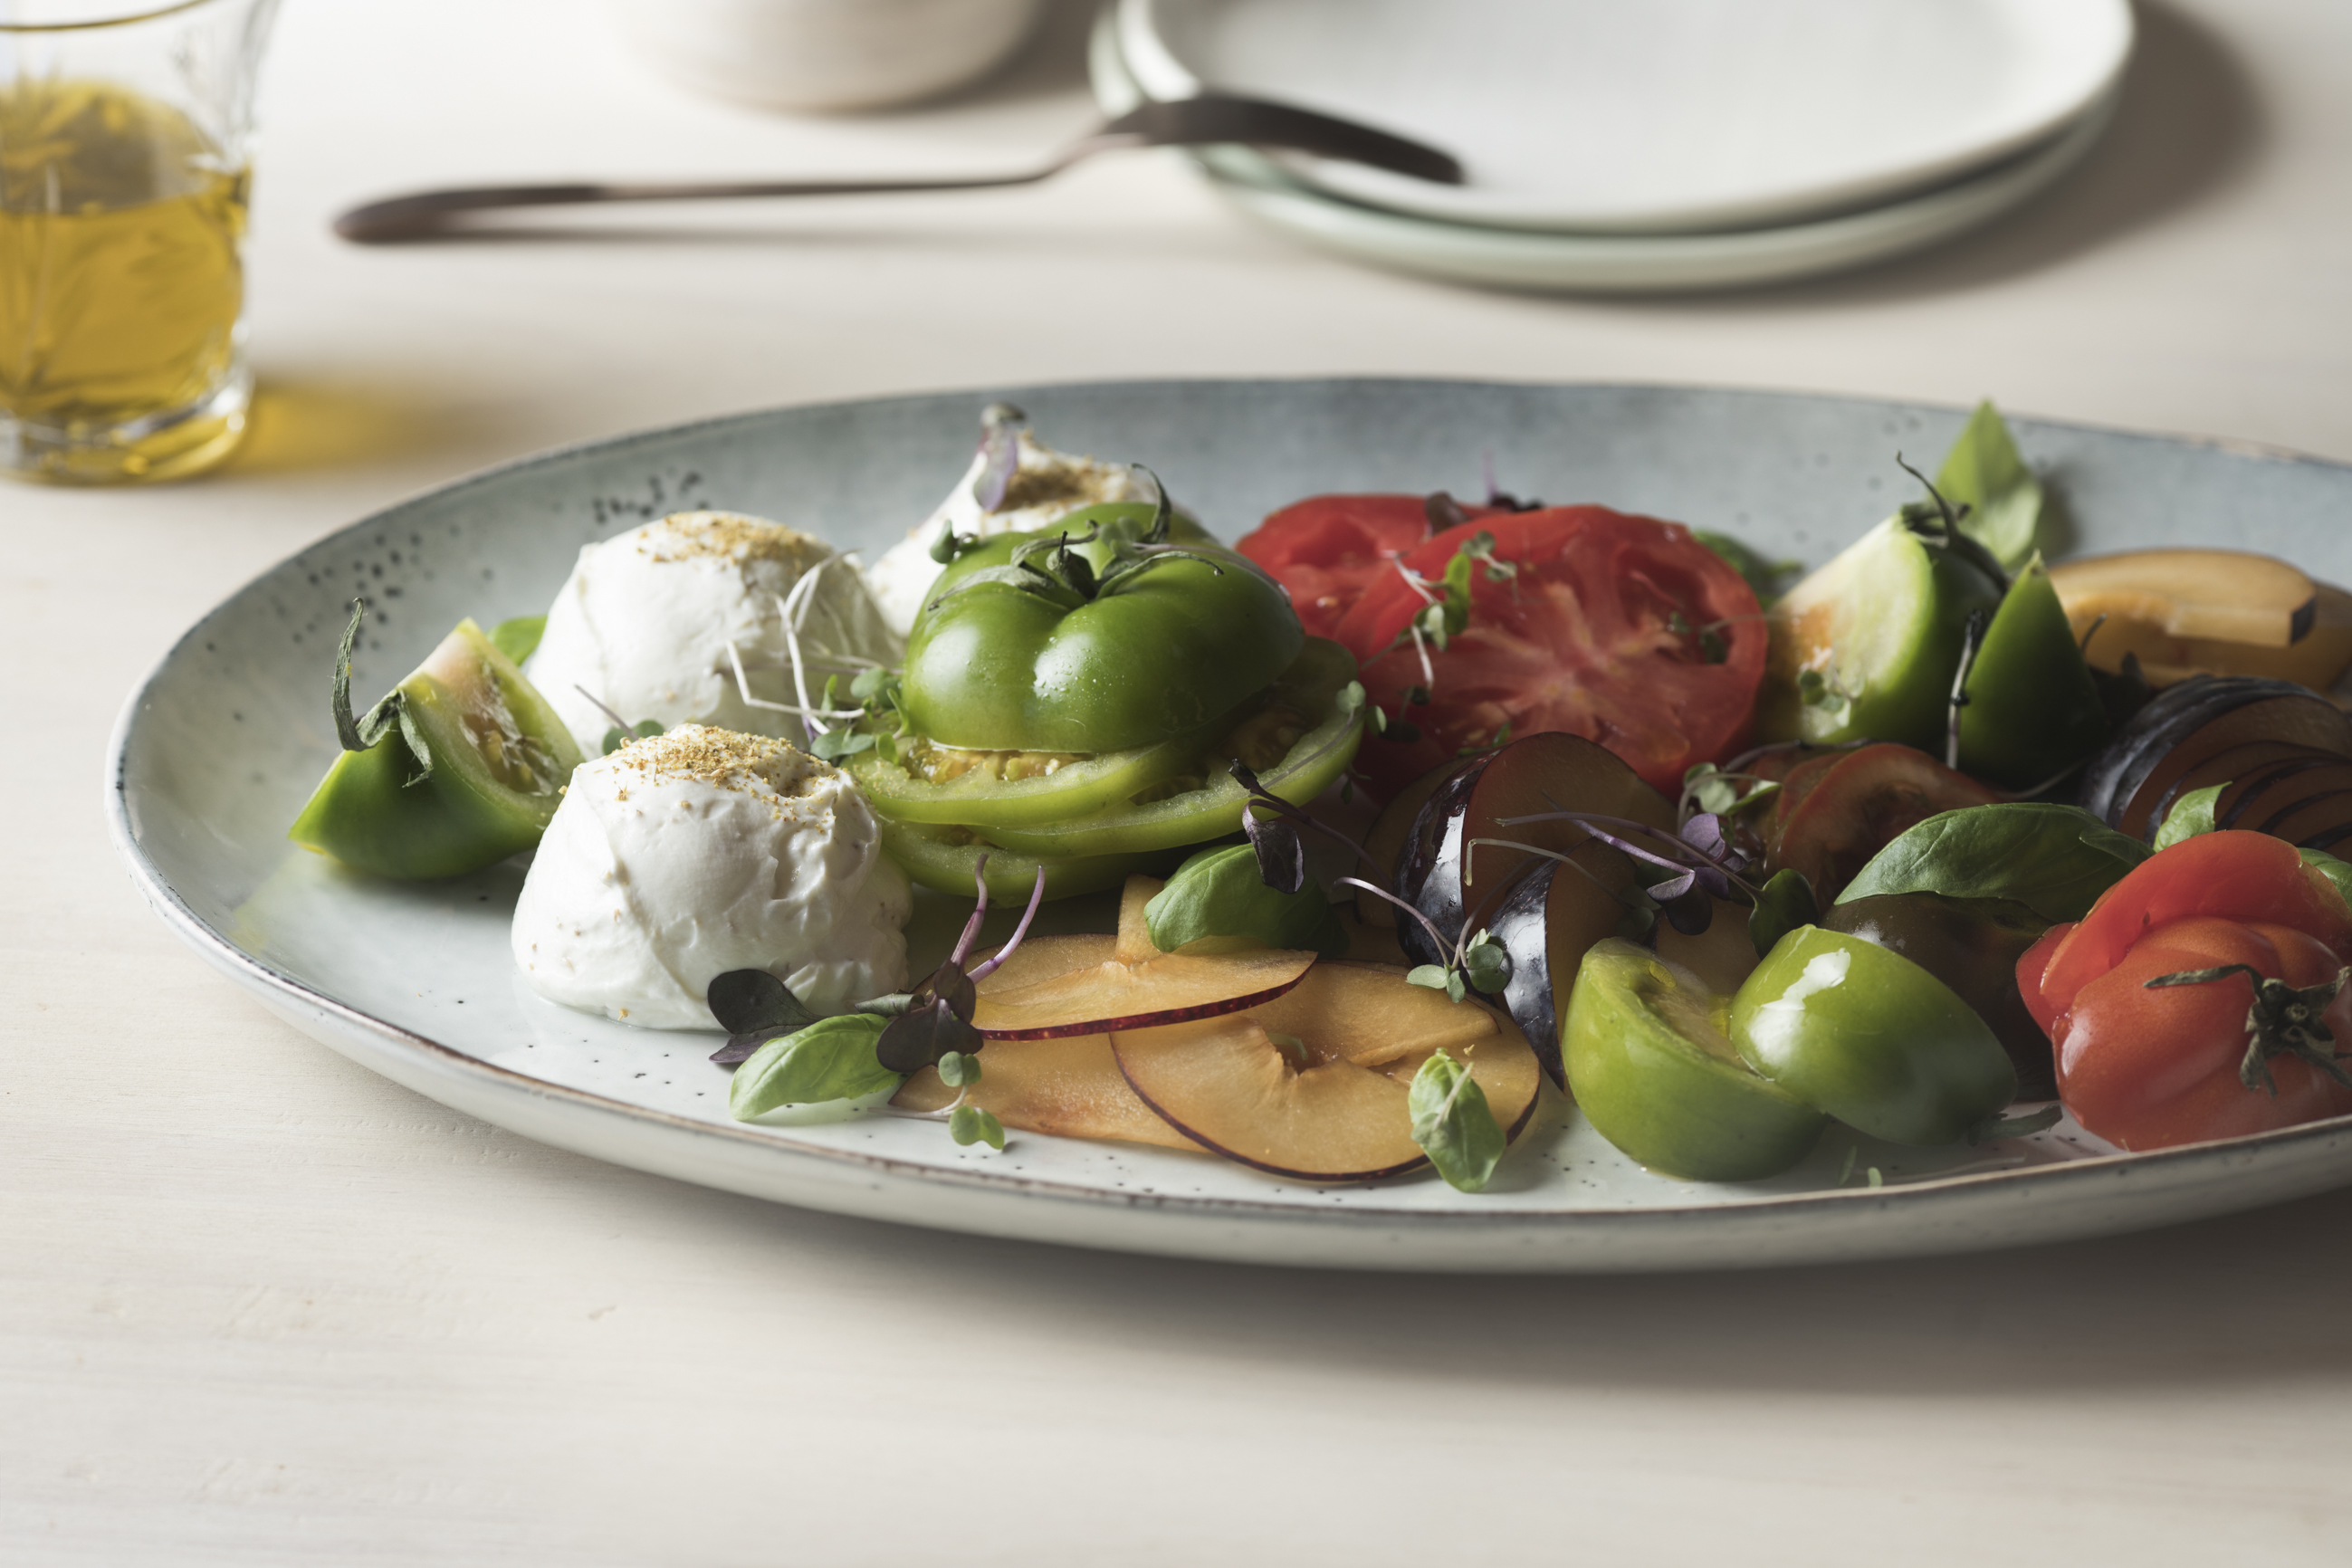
{"points": [[1869, 1037], [1053, 642]]}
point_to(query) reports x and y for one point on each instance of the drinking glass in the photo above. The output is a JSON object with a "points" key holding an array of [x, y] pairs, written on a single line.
{"points": [[123, 180]]}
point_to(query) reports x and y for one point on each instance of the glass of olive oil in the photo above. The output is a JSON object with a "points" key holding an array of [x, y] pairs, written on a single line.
{"points": [[123, 176]]}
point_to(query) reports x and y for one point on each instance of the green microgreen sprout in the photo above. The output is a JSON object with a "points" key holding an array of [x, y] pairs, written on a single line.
{"points": [[1994, 1128]]}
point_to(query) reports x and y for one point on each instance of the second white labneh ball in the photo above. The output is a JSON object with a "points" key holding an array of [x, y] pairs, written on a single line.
{"points": [[1045, 487], [644, 622], [684, 856]]}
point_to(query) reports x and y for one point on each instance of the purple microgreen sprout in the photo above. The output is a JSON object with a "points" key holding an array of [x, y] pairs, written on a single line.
{"points": [[753, 1007], [1001, 425], [1621, 833], [937, 1017], [1259, 797]]}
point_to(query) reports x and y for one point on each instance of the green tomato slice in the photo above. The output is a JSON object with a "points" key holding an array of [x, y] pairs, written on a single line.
{"points": [[1864, 1033], [982, 798], [947, 860], [498, 760], [1653, 1072], [1320, 684]]}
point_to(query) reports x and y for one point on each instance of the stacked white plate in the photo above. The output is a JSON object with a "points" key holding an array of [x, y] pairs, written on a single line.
{"points": [[1641, 145]]}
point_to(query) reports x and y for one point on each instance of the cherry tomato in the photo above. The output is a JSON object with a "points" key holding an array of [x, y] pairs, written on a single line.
{"points": [[1326, 550], [1625, 630], [2150, 1067], [1835, 812]]}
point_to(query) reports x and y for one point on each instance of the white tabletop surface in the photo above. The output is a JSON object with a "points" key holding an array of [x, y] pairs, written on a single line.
{"points": [[257, 1306]]}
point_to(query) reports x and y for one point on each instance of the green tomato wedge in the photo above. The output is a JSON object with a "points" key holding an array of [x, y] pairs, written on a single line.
{"points": [[981, 798], [1871, 1038], [1320, 684], [1137, 644], [498, 761], [1652, 1071], [2032, 710], [1867, 646], [947, 860]]}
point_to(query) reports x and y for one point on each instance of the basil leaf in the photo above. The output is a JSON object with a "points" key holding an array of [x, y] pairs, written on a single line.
{"points": [[2191, 814], [1224, 893], [519, 638], [1453, 1124], [2329, 867], [2055, 859], [1764, 576], [832, 1058], [2004, 498], [1782, 905]]}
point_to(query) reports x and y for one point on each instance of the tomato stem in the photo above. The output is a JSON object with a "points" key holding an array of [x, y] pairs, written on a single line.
{"points": [[2283, 1021]]}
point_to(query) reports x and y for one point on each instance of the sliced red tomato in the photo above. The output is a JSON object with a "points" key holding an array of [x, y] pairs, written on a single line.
{"points": [[1835, 812], [1326, 550], [1624, 630]]}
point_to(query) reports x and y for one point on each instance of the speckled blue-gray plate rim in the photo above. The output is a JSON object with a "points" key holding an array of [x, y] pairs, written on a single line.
{"points": [[219, 746]]}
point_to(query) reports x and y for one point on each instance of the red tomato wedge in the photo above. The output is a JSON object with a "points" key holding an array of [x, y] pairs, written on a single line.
{"points": [[1326, 550], [1606, 631]]}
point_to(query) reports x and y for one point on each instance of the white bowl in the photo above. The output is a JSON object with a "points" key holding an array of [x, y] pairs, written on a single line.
{"points": [[828, 54]]}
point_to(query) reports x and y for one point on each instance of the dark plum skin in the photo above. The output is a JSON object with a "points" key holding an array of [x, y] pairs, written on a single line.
{"points": [[2178, 717], [1429, 872], [1971, 945], [1524, 927]]}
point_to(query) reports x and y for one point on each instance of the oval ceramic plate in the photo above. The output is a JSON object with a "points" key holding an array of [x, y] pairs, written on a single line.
{"points": [[221, 745], [1665, 116], [1268, 191]]}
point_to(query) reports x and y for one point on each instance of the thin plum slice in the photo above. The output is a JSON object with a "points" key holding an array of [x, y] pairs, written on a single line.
{"points": [[1040, 958], [1134, 943], [1069, 1087], [1114, 995], [1315, 1086]]}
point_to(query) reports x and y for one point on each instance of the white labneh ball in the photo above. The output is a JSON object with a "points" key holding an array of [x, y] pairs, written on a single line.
{"points": [[644, 622], [1046, 487], [684, 856]]}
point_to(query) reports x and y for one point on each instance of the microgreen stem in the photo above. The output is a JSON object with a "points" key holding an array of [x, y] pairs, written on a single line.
{"points": [[1036, 897], [1971, 638], [618, 723], [979, 912], [1759, 753], [743, 690], [1594, 823], [1436, 937]]}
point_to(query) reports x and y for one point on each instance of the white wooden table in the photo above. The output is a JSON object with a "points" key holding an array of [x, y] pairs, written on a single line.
{"points": [[257, 1306]]}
